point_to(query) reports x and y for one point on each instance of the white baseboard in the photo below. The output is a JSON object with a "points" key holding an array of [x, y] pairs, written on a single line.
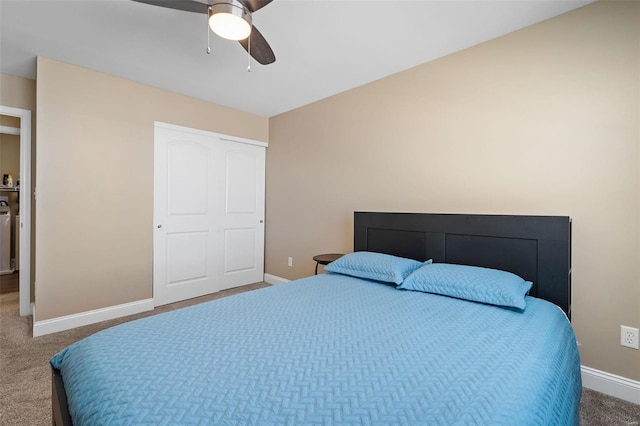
{"points": [[67, 322], [610, 384], [273, 279]]}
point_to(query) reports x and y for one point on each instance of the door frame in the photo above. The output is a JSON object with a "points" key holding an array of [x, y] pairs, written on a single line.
{"points": [[25, 205], [209, 134]]}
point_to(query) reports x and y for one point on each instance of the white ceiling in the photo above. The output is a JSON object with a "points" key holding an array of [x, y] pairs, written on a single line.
{"points": [[323, 47]]}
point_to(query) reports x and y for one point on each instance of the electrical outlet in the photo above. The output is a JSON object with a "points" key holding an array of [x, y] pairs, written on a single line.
{"points": [[629, 337], [290, 262]]}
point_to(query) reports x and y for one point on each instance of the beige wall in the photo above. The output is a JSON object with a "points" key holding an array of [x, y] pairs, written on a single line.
{"points": [[9, 121], [10, 164], [543, 121], [95, 183], [10, 156], [17, 92]]}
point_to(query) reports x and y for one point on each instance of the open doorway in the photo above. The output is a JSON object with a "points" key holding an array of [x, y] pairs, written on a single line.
{"points": [[15, 203]]}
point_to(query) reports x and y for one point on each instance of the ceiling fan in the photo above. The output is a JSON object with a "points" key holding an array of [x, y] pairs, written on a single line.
{"points": [[230, 19]]}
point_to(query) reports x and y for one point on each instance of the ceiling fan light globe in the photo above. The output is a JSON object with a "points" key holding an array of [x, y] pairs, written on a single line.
{"points": [[231, 21]]}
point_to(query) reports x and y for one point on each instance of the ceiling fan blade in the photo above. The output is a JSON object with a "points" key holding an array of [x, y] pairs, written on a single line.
{"points": [[186, 5], [254, 5], [260, 49]]}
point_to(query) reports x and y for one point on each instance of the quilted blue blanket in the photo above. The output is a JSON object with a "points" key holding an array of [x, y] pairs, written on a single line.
{"points": [[329, 349]]}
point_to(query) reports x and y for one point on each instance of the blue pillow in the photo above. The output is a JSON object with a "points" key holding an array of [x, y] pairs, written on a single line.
{"points": [[470, 283], [374, 266]]}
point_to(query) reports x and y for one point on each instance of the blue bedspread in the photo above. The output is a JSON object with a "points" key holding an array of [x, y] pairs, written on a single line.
{"points": [[329, 349]]}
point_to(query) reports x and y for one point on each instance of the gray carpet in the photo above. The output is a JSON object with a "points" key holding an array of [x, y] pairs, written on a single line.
{"points": [[25, 382]]}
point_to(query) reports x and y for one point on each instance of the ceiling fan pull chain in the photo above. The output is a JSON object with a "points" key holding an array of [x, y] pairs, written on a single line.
{"points": [[208, 32], [249, 55]]}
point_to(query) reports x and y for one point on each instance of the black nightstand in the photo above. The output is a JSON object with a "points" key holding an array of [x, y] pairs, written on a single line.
{"points": [[325, 259]]}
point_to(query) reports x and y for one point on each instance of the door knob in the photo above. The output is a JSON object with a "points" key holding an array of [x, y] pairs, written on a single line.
{"points": [[159, 226]]}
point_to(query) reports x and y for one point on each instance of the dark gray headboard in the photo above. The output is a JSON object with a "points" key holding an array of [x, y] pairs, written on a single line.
{"points": [[537, 248]]}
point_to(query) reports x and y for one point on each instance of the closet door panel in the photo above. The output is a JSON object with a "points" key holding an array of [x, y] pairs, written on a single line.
{"points": [[185, 246], [241, 182], [243, 224]]}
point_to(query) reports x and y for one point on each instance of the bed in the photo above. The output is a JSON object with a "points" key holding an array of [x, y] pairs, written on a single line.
{"points": [[339, 348]]}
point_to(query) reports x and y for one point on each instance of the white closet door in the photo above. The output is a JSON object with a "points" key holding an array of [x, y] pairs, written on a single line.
{"points": [[242, 218], [208, 213], [185, 249]]}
